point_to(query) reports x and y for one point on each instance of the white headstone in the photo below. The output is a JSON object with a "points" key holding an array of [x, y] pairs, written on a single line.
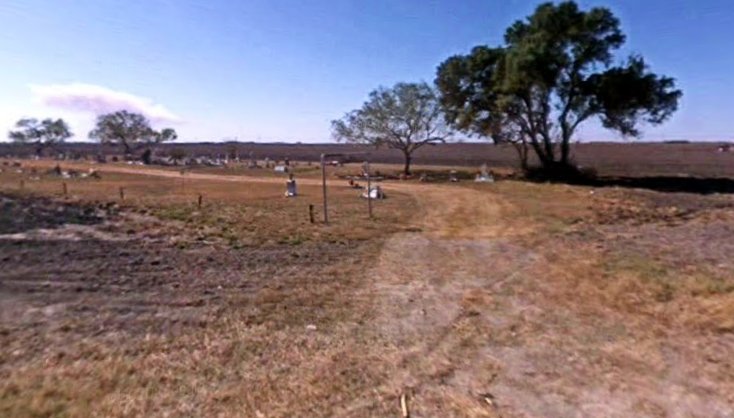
{"points": [[375, 192], [290, 188], [484, 175]]}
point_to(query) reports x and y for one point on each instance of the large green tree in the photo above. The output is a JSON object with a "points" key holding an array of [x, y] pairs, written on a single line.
{"points": [[41, 134], [404, 117], [555, 71], [131, 131]]}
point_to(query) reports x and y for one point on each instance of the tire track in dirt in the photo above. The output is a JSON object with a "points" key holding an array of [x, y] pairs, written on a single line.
{"points": [[469, 320], [433, 290]]}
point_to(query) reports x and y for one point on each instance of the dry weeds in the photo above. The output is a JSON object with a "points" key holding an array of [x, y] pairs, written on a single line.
{"points": [[506, 299]]}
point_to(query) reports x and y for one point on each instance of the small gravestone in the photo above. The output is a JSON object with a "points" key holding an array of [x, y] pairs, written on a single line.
{"points": [[453, 178], [374, 192], [252, 161], [290, 187], [484, 176], [280, 169]]}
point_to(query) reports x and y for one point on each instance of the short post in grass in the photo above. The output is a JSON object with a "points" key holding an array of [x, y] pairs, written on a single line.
{"points": [[65, 189], [310, 213], [200, 201], [122, 193], [22, 184]]}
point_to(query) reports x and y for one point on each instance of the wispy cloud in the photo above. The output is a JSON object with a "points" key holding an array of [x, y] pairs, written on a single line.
{"points": [[98, 100]]}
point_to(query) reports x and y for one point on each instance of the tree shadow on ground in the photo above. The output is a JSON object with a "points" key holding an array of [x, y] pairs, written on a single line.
{"points": [[667, 184], [571, 174]]}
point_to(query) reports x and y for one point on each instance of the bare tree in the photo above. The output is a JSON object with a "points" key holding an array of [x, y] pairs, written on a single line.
{"points": [[41, 134], [131, 131], [404, 117]]}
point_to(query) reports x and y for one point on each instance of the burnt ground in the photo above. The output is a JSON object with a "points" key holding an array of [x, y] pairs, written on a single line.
{"points": [[73, 273], [18, 214]]}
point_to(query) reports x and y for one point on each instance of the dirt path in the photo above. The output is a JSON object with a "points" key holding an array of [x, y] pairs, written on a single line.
{"points": [[433, 289], [157, 172], [473, 329]]}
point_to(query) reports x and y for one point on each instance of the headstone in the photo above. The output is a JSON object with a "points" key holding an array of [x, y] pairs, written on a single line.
{"points": [[375, 192], [453, 178], [484, 176], [252, 162], [290, 187], [281, 169]]}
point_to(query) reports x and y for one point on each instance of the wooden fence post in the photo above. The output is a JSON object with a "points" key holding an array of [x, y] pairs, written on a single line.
{"points": [[200, 201], [310, 213], [65, 188], [122, 193], [22, 184]]}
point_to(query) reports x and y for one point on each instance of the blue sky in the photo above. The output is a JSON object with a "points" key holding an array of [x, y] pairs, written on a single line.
{"points": [[277, 70]]}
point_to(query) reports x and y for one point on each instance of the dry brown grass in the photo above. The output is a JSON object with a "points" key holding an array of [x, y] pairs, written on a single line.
{"points": [[253, 353], [548, 300], [239, 212]]}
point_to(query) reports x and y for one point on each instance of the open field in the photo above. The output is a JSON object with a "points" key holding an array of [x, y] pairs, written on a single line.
{"points": [[509, 299], [630, 159]]}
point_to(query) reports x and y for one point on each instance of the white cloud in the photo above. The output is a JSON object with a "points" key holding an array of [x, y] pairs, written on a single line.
{"points": [[98, 100]]}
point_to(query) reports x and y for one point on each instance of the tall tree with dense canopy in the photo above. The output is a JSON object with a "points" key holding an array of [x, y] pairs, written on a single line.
{"points": [[555, 71], [41, 134], [131, 131], [404, 117]]}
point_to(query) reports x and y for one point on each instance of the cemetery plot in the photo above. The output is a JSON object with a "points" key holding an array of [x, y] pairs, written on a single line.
{"points": [[209, 294]]}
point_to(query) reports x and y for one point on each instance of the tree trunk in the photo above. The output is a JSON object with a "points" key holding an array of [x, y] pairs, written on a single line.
{"points": [[522, 154], [545, 160], [408, 158], [126, 147], [565, 151]]}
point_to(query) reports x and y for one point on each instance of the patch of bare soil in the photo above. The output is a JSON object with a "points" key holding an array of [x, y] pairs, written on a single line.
{"points": [[18, 214], [74, 281], [106, 319]]}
